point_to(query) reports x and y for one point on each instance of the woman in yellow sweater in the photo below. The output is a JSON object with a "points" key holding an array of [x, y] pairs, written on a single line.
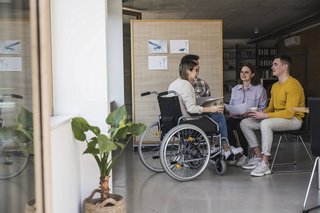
{"points": [[285, 94]]}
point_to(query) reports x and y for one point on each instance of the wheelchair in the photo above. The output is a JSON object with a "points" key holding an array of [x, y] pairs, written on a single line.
{"points": [[13, 153], [180, 145]]}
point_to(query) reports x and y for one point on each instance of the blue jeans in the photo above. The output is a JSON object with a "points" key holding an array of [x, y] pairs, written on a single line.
{"points": [[221, 121]]}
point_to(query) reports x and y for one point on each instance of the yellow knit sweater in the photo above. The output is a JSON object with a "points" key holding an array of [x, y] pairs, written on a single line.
{"points": [[285, 96]]}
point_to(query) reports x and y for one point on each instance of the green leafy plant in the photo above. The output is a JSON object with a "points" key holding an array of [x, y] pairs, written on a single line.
{"points": [[22, 130], [101, 145]]}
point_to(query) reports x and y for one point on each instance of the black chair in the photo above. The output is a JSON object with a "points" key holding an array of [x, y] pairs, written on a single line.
{"points": [[304, 130], [314, 108]]}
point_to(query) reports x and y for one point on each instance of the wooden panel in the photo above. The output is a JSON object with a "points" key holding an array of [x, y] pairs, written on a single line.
{"points": [[18, 82], [205, 40]]}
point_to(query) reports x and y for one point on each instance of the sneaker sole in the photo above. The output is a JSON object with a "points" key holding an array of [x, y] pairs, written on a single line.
{"points": [[240, 164], [249, 168], [262, 174]]}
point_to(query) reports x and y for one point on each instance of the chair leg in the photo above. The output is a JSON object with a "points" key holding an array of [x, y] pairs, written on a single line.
{"points": [[275, 154], [293, 163], [309, 185], [318, 175], [304, 145]]}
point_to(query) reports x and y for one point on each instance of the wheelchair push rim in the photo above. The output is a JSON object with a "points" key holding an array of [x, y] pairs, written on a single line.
{"points": [[185, 152], [149, 148]]}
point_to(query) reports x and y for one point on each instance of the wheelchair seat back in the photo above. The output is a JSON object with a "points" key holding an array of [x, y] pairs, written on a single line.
{"points": [[170, 114], [170, 111]]}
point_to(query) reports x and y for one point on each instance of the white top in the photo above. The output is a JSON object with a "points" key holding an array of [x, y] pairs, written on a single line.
{"points": [[187, 96]]}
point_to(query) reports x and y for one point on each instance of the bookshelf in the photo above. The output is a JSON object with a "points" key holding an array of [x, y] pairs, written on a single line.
{"points": [[264, 61], [234, 58]]}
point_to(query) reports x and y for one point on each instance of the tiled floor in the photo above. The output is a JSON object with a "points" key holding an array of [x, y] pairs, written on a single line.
{"points": [[236, 191]]}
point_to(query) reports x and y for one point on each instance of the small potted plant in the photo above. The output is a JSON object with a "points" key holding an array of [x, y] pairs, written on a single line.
{"points": [[100, 146]]}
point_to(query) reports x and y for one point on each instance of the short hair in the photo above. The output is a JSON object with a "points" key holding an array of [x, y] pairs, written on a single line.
{"points": [[190, 57], [285, 59], [255, 80], [184, 67]]}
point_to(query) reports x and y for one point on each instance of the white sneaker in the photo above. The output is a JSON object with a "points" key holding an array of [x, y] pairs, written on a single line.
{"points": [[236, 150], [232, 162], [226, 154], [243, 160], [252, 163], [261, 170], [214, 149]]}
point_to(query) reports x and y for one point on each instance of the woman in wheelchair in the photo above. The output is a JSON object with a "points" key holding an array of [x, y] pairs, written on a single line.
{"points": [[183, 86]]}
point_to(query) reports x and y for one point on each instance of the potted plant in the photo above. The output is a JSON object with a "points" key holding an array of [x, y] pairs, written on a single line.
{"points": [[21, 132], [100, 146]]}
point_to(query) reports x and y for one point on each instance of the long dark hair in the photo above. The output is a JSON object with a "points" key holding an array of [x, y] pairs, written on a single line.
{"points": [[255, 80]]}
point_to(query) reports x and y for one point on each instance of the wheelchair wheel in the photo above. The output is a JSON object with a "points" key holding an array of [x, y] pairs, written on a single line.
{"points": [[149, 148], [13, 160], [185, 152], [220, 166]]}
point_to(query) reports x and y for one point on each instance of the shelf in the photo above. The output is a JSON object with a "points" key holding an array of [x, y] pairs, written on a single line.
{"points": [[261, 58]]}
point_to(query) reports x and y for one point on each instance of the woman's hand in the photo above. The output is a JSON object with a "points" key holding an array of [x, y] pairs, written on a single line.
{"points": [[258, 115], [245, 115], [218, 108]]}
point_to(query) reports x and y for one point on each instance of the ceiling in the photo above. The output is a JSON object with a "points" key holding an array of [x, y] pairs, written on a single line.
{"points": [[274, 18]]}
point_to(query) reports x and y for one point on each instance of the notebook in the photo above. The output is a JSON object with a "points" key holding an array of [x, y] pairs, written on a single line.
{"points": [[208, 101]]}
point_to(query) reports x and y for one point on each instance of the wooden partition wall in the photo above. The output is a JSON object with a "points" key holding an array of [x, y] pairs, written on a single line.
{"points": [[204, 38]]}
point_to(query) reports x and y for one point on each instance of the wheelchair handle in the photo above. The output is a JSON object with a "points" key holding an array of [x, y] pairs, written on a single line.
{"points": [[11, 96], [145, 94], [148, 93], [16, 96]]}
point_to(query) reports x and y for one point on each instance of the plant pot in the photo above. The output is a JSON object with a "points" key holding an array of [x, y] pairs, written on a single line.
{"points": [[114, 204], [30, 207]]}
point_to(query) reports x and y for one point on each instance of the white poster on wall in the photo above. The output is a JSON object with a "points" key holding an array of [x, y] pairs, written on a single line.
{"points": [[179, 46], [157, 46], [157, 62], [8, 64], [10, 46]]}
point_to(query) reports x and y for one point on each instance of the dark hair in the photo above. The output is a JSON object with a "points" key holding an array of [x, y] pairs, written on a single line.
{"points": [[255, 80], [285, 59], [190, 57], [184, 67]]}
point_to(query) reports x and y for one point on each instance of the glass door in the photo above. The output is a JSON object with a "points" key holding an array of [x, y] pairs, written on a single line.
{"points": [[17, 154]]}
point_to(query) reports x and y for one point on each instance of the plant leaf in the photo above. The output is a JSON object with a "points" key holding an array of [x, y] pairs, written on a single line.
{"points": [[117, 117], [94, 129], [120, 133], [25, 118], [105, 144], [91, 147], [7, 132], [121, 145], [25, 135], [137, 128], [80, 126]]}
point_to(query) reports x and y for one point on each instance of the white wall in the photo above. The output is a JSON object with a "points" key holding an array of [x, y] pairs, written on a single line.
{"points": [[115, 52], [79, 54], [66, 196]]}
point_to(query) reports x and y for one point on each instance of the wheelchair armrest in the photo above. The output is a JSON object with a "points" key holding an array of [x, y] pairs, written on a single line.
{"points": [[192, 117], [201, 120]]}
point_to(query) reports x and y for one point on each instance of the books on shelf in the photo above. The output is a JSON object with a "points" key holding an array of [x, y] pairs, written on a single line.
{"points": [[267, 52]]}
